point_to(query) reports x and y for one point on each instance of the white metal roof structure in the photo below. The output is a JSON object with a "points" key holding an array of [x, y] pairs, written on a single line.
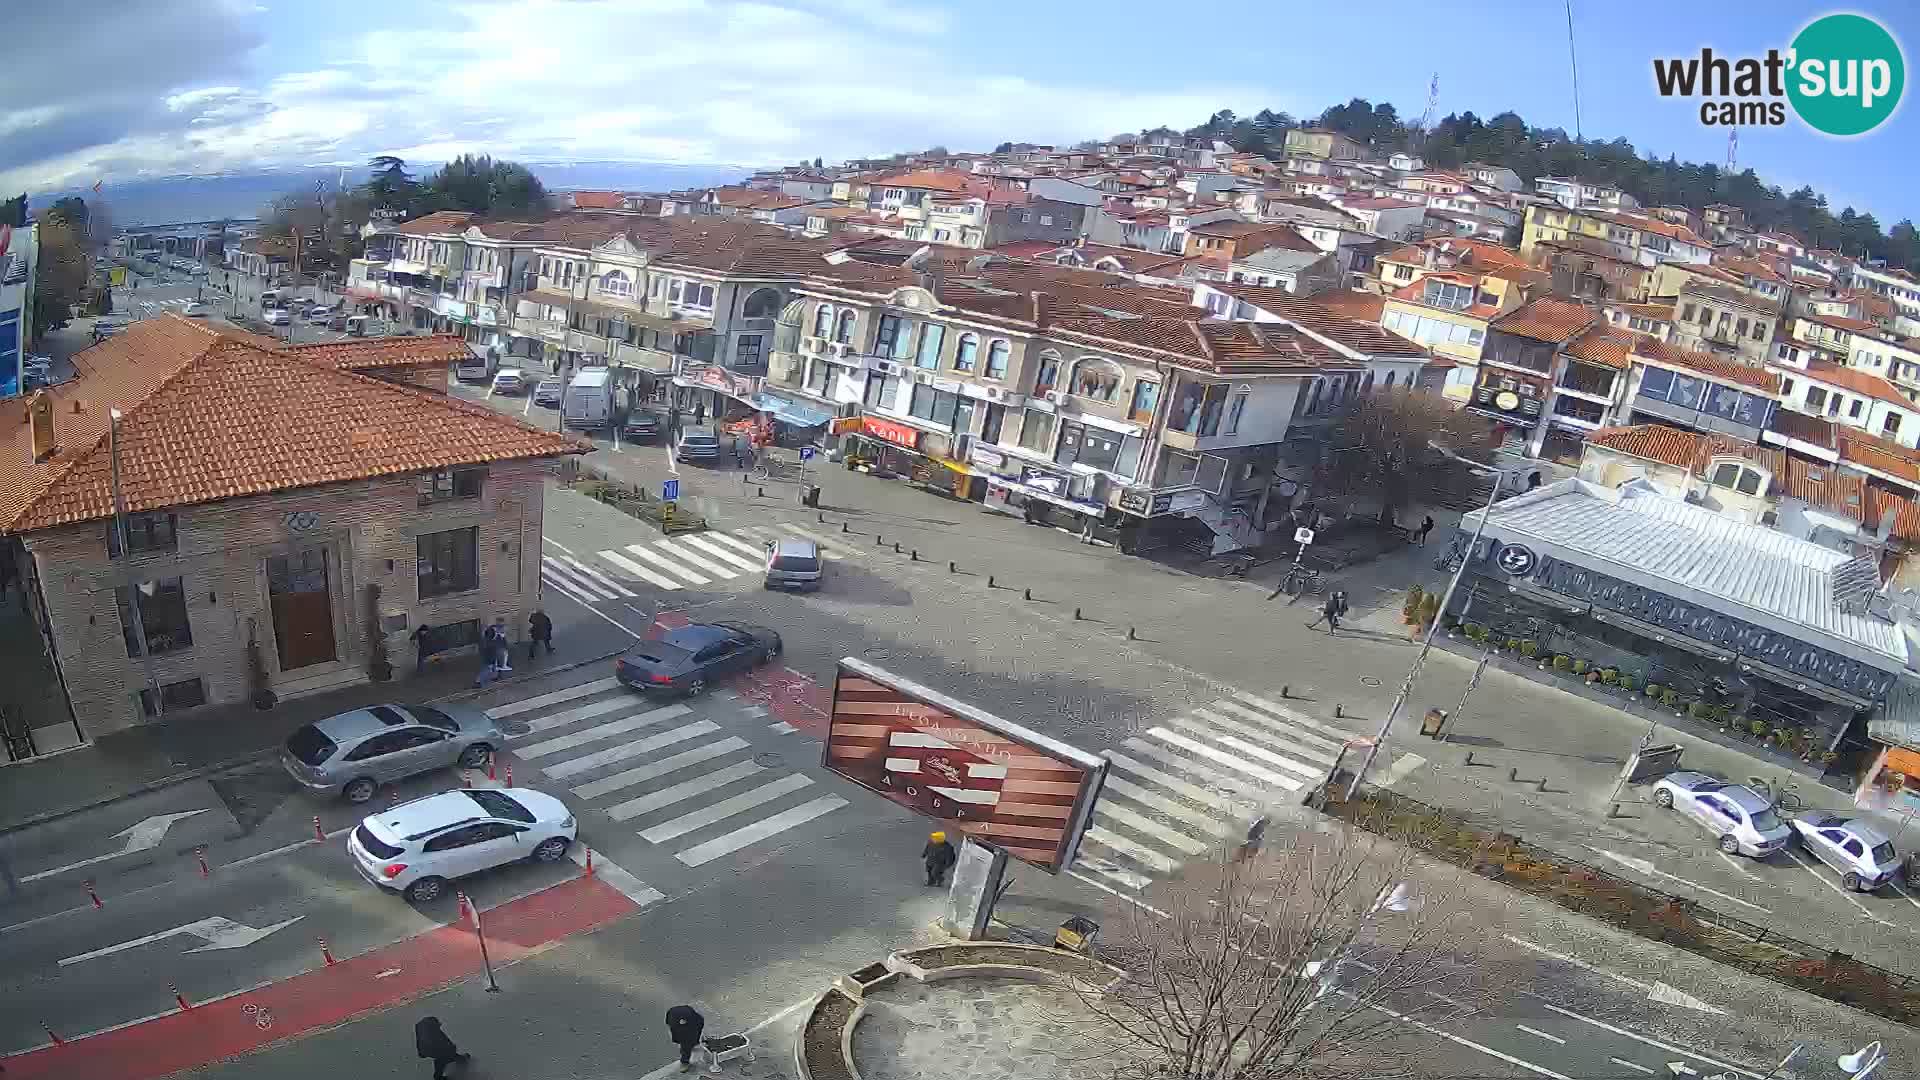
{"points": [[1751, 572]]}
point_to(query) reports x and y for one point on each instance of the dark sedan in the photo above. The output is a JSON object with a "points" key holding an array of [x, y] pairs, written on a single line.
{"points": [[642, 423], [689, 659]]}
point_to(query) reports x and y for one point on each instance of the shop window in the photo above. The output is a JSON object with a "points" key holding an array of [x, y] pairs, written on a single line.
{"points": [[146, 533], [161, 608], [933, 406], [449, 562], [445, 485], [882, 391]]}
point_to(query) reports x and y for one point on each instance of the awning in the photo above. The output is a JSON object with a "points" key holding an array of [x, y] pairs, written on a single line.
{"points": [[791, 412]]}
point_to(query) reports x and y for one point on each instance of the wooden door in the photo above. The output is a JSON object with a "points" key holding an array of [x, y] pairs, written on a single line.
{"points": [[302, 606]]}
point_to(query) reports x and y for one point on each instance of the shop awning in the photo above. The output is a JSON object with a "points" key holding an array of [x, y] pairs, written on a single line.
{"points": [[790, 412]]}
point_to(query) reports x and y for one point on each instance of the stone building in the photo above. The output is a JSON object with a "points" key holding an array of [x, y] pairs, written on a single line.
{"points": [[288, 513]]}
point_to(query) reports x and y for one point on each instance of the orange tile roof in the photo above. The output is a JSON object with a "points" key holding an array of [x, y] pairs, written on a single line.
{"points": [[1655, 442], [1599, 345], [1906, 514], [384, 352], [1807, 429], [1869, 452], [1547, 320], [1715, 367], [1310, 314], [1860, 382], [211, 415], [440, 221], [1354, 303], [599, 200], [930, 179]]}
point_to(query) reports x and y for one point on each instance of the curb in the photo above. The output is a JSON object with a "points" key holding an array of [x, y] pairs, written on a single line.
{"points": [[233, 762]]}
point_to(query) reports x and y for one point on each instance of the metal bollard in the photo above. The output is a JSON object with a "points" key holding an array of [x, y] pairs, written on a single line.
{"points": [[760, 492], [201, 854], [181, 998], [879, 541], [1026, 594], [326, 952], [1339, 712], [1131, 636], [845, 528], [822, 518], [1285, 691], [319, 833], [1076, 615], [1513, 776], [951, 568], [1542, 785], [896, 547], [91, 895], [52, 1034], [1469, 759], [990, 583], [916, 555]]}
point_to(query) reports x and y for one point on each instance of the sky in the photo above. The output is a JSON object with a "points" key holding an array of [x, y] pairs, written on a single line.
{"points": [[116, 89]]}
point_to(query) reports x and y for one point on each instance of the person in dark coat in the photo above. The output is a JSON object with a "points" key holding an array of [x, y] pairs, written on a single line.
{"points": [[685, 1024], [500, 645], [432, 1044], [422, 642], [1425, 528], [1330, 612], [540, 632], [939, 857]]}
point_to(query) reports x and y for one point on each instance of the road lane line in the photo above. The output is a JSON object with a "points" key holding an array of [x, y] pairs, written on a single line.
{"points": [[688, 789], [1464, 1041], [1655, 1043], [558, 546], [1844, 893], [599, 580], [591, 709], [1737, 868], [558, 566], [737, 545], [1631, 1065], [1903, 892], [1541, 1034], [1228, 760], [616, 876], [1117, 811], [1591, 969], [725, 808], [607, 785], [551, 578], [1111, 891], [765, 828], [1646, 866], [514, 708]]}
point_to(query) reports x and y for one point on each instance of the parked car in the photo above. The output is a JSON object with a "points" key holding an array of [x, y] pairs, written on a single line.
{"points": [[196, 310], [319, 315], [697, 444], [688, 659], [1743, 821], [106, 328], [416, 848], [511, 381], [1860, 853], [276, 316], [642, 423], [547, 393], [352, 753], [793, 563]]}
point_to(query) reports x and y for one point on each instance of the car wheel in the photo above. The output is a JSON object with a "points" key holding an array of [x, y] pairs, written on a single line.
{"points": [[696, 687], [1851, 880], [426, 890], [552, 849], [475, 756], [358, 791], [1729, 845], [1663, 799]]}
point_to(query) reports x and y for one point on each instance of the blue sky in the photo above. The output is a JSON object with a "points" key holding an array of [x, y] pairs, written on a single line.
{"points": [[205, 85]]}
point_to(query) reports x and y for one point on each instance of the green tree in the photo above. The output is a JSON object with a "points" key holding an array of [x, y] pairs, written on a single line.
{"points": [[60, 276], [389, 185], [480, 185]]}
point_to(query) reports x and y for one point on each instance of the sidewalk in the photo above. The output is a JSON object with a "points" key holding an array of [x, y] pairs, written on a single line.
{"points": [[152, 756]]}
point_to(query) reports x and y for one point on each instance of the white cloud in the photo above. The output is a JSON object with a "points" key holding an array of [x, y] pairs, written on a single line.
{"points": [[692, 81]]}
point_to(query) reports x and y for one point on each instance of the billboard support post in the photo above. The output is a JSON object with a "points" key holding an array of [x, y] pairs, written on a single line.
{"points": [[976, 885]]}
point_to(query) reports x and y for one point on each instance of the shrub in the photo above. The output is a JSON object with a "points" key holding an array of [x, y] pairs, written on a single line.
{"points": [[1628, 682], [1654, 689], [1669, 698], [1561, 662], [1580, 667], [1474, 631], [1609, 676], [1411, 609], [1701, 711], [1529, 649], [1513, 644], [1758, 728]]}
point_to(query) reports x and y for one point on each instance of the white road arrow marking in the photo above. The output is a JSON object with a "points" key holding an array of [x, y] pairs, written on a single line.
{"points": [[140, 836], [1662, 994], [217, 931], [1680, 1068]]}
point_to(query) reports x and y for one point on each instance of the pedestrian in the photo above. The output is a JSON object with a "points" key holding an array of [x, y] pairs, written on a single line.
{"points": [[1256, 833], [1425, 528], [432, 1044], [1329, 613], [685, 1024], [939, 857], [699, 413], [739, 452], [673, 421], [422, 639], [500, 646], [540, 631]]}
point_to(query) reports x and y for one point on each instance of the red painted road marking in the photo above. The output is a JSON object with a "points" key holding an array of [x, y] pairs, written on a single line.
{"points": [[665, 621], [215, 1031], [796, 699]]}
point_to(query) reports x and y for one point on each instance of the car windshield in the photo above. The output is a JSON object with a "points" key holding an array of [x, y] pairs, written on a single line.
{"points": [[796, 564], [309, 746], [373, 845], [1706, 786], [1765, 820], [499, 804], [1883, 853]]}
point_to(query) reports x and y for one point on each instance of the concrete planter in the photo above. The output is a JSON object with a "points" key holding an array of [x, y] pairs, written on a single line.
{"points": [[824, 1049]]}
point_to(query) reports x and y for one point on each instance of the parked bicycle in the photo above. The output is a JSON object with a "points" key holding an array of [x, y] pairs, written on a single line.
{"points": [[1298, 580], [1779, 796], [1450, 559]]}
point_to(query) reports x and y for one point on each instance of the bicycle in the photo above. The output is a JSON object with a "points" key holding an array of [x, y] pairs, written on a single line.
{"points": [[1450, 559], [1298, 580], [1782, 798]]}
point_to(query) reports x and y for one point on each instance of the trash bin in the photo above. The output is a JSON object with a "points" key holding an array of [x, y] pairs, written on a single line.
{"points": [[1076, 934], [1431, 723]]}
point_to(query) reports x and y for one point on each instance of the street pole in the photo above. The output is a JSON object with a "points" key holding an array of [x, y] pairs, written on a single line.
{"points": [[1426, 646], [485, 960]]}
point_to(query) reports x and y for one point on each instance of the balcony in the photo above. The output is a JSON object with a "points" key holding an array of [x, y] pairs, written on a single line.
{"points": [[1587, 380], [1578, 412]]}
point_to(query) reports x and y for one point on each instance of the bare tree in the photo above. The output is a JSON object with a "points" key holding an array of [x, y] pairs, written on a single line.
{"points": [[1330, 957], [1380, 447]]}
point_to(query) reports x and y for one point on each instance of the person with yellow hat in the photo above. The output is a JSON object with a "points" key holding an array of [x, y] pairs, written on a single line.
{"points": [[939, 857]]}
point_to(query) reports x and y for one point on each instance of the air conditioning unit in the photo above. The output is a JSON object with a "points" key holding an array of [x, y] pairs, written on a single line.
{"points": [[922, 377], [886, 367], [995, 393], [1058, 397], [842, 348]]}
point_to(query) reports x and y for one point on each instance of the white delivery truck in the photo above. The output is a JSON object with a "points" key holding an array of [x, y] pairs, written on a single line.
{"points": [[587, 402], [478, 365]]}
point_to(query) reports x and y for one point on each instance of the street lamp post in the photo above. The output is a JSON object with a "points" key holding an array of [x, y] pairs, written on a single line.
{"points": [[1426, 645]]}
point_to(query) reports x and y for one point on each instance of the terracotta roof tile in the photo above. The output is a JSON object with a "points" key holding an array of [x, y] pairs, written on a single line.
{"points": [[1547, 320], [1871, 453], [599, 200], [433, 349], [1655, 442], [211, 416], [1308, 313], [1860, 382], [1599, 345], [1716, 367], [440, 221], [1807, 429], [1354, 303]]}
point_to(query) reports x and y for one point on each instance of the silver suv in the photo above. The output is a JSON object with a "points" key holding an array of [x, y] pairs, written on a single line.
{"points": [[793, 564], [353, 753]]}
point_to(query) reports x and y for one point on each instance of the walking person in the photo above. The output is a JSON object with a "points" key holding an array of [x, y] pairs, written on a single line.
{"points": [[1329, 613], [432, 1044], [539, 632], [1425, 528], [939, 858], [739, 452], [685, 1024], [422, 639]]}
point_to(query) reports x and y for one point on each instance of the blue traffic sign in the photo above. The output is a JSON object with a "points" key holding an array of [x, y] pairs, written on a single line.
{"points": [[806, 453], [670, 490]]}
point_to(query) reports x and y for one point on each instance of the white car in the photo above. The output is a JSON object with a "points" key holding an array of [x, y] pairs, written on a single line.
{"points": [[1861, 853], [1743, 821], [276, 316], [196, 310], [511, 381], [416, 848]]}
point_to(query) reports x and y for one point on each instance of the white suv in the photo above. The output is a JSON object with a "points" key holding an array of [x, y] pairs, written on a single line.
{"points": [[417, 847]]}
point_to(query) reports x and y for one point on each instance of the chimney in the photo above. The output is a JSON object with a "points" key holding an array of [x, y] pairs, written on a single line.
{"points": [[40, 416]]}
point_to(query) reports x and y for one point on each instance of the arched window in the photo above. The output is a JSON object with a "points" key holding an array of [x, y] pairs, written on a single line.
{"points": [[1096, 378], [1048, 376], [615, 283], [1390, 380], [1366, 386], [843, 330], [966, 353], [823, 320], [997, 359], [761, 303]]}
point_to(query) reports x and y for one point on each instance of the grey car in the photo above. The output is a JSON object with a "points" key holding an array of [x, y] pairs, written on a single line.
{"points": [[793, 564], [352, 753]]}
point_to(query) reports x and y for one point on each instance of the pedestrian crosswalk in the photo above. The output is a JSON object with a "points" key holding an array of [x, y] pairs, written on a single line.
{"points": [[673, 777], [719, 560], [1194, 785]]}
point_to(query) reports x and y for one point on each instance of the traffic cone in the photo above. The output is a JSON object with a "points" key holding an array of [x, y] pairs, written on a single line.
{"points": [[490, 765], [462, 897], [326, 952], [91, 895], [589, 852], [466, 778], [319, 833], [181, 998], [509, 774], [52, 1034]]}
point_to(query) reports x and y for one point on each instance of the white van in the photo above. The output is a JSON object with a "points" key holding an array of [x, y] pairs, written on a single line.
{"points": [[588, 399], [478, 365]]}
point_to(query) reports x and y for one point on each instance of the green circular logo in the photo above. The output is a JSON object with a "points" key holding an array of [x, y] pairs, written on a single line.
{"points": [[1847, 74]]}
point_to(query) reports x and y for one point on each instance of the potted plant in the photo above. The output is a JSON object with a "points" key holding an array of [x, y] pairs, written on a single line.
{"points": [[1670, 698], [1654, 690], [1701, 711], [1474, 631], [1513, 644], [1562, 663], [1410, 611], [1609, 676], [1580, 667], [1429, 609], [1529, 648], [1828, 757], [1759, 729], [1629, 682], [379, 664]]}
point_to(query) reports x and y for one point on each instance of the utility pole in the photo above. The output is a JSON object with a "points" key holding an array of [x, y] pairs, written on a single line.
{"points": [[1573, 62]]}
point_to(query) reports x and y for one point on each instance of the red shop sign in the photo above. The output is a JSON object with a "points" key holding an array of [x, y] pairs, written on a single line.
{"points": [[898, 434]]}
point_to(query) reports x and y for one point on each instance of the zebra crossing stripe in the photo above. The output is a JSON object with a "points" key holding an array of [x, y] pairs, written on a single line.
{"points": [[1118, 812], [556, 576], [1299, 735], [1290, 744], [835, 550], [1126, 879], [720, 552], [699, 785], [725, 808], [622, 703], [641, 774], [1278, 761], [1212, 800], [1193, 746], [551, 564], [738, 545], [1135, 793], [1145, 856], [634, 569], [668, 565], [515, 708], [674, 548], [701, 854], [1294, 716], [602, 731], [1213, 797], [588, 762], [602, 581]]}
